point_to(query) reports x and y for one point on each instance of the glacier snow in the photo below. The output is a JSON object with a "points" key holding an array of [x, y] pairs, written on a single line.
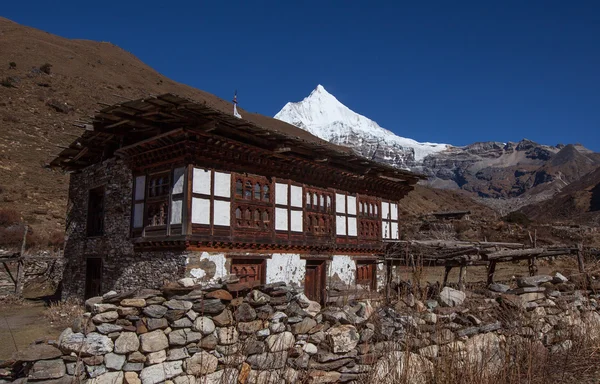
{"points": [[327, 118]]}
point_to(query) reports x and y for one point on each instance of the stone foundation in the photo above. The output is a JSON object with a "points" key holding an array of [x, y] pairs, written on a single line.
{"points": [[234, 332]]}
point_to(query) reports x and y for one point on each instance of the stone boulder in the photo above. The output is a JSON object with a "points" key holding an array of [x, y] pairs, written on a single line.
{"points": [[343, 338], [127, 342], [159, 373], [47, 369], [153, 341], [91, 345], [451, 297], [202, 363], [37, 352], [280, 342], [533, 281], [204, 325]]}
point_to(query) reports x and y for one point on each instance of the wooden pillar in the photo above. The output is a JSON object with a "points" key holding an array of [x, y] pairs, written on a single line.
{"points": [[580, 258], [446, 273], [462, 277], [21, 265], [490, 272]]}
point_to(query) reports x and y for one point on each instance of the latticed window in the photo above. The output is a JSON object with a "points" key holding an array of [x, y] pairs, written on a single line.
{"points": [[252, 204], [248, 270], [248, 190], [239, 188]]}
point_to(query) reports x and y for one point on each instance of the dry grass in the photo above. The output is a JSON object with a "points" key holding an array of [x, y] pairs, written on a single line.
{"points": [[61, 314]]}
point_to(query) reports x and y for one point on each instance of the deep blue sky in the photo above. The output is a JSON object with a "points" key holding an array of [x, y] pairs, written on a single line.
{"points": [[454, 72]]}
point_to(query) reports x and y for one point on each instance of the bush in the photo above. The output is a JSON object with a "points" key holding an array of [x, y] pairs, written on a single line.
{"points": [[46, 68], [7, 82], [9, 217], [56, 239], [517, 218], [12, 65]]}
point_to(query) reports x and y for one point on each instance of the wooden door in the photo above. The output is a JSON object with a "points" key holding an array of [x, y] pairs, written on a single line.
{"points": [[366, 275], [93, 277], [314, 280]]}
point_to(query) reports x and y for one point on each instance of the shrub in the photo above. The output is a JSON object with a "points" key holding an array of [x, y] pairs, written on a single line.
{"points": [[56, 239], [517, 218], [12, 65], [9, 217], [46, 68], [7, 82]]}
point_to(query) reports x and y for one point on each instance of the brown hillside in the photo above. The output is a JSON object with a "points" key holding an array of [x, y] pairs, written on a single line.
{"points": [[579, 202], [38, 110]]}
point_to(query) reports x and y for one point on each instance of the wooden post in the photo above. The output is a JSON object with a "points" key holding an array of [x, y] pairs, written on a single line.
{"points": [[446, 273], [580, 258], [490, 272], [532, 267], [462, 277], [21, 265]]}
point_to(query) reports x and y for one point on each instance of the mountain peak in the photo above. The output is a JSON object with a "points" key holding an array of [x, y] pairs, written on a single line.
{"points": [[323, 115]]}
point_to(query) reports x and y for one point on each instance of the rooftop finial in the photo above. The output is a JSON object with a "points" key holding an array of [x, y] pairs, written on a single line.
{"points": [[235, 112]]}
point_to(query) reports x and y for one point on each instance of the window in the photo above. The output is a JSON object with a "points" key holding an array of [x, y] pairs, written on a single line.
{"points": [[370, 224], [157, 200], [252, 217], [95, 214], [239, 189], [346, 208], [248, 270], [318, 218], [252, 205], [211, 199], [390, 222]]}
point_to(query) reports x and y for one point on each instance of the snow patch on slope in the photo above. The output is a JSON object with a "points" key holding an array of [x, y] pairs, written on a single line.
{"points": [[325, 117]]}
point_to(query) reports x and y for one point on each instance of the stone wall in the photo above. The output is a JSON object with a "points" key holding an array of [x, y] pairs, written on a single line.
{"points": [[42, 276], [233, 332]]}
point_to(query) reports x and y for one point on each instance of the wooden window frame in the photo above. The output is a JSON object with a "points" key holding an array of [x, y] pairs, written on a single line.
{"points": [[318, 209], [389, 219], [260, 199], [369, 220], [260, 264], [165, 228]]}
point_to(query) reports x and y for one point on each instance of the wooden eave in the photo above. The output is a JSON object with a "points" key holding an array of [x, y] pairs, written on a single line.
{"points": [[134, 126]]}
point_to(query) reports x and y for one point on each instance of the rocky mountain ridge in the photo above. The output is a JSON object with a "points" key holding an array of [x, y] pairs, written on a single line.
{"points": [[525, 171]]}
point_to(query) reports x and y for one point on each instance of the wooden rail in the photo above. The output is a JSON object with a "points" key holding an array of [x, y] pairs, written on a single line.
{"points": [[451, 254]]}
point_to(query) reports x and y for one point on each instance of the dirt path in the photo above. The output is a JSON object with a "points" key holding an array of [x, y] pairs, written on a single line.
{"points": [[22, 325]]}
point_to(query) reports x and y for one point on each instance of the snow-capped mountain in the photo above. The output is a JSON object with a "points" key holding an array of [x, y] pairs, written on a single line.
{"points": [[325, 117], [524, 170]]}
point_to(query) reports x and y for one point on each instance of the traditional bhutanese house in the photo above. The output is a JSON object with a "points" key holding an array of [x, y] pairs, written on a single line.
{"points": [[165, 187]]}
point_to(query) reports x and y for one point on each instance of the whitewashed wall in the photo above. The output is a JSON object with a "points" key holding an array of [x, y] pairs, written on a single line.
{"points": [[286, 267], [218, 259], [344, 267]]}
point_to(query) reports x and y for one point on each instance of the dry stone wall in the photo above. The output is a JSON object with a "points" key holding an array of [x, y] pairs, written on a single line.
{"points": [[233, 332], [41, 278]]}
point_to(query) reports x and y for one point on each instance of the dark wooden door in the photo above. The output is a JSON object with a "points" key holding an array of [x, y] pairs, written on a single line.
{"points": [[314, 280], [366, 275], [93, 277]]}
